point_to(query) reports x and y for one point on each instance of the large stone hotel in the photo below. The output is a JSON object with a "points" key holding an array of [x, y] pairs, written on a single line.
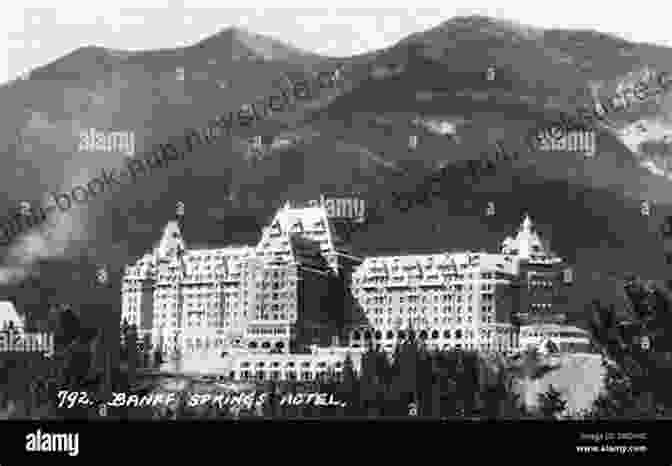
{"points": [[284, 295], [300, 287], [468, 300]]}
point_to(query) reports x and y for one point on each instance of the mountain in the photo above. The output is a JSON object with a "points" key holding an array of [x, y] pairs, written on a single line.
{"points": [[241, 42], [354, 139], [591, 207]]}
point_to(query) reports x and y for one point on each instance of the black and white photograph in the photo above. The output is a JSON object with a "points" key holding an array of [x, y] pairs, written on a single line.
{"points": [[458, 216]]}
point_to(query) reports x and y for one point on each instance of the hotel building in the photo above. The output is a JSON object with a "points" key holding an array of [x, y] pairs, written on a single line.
{"points": [[300, 287], [468, 300], [285, 294]]}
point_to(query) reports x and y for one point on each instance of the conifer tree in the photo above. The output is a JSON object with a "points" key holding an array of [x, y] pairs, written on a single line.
{"points": [[158, 358], [383, 367], [393, 387], [494, 395], [648, 318], [617, 401], [551, 404], [350, 387], [367, 380]]}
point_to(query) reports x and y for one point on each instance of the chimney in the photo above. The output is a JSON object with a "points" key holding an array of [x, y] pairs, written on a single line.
{"points": [[568, 276], [413, 142], [179, 214]]}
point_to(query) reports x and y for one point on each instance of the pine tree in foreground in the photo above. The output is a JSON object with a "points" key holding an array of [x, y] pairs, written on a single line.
{"points": [[617, 400], [551, 403]]}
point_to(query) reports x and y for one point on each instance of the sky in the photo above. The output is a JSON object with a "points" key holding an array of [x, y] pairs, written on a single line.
{"points": [[38, 32]]}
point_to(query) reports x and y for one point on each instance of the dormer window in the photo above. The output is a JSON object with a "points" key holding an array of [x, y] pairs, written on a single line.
{"points": [[297, 227]]}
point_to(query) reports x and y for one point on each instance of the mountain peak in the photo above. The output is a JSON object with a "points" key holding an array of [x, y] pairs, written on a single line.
{"points": [[475, 27], [85, 60], [471, 20], [492, 25], [243, 42], [230, 33]]}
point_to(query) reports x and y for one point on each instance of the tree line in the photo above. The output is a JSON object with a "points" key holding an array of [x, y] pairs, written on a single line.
{"points": [[412, 380]]}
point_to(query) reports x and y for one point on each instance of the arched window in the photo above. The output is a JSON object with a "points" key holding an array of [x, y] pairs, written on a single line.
{"points": [[279, 345], [411, 334], [378, 335], [265, 345], [356, 335], [458, 333], [252, 345], [423, 335], [446, 334], [551, 347], [435, 334], [401, 334], [367, 335], [390, 335]]}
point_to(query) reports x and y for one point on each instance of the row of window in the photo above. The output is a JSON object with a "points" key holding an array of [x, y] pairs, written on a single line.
{"points": [[266, 316], [446, 346], [423, 310], [200, 257], [429, 262], [540, 306], [445, 320], [288, 375], [378, 335], [425, 299], [527, 334], [266, 345], [267, 331], [364, 277], [540, 283], [198, 343], [304, 364]]}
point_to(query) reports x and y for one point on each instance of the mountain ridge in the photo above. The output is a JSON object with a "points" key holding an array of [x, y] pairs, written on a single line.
{"points": [[359, 140]]}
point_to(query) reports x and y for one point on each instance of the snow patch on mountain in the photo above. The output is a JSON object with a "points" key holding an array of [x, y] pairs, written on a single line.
{"points": [[634, 135]]}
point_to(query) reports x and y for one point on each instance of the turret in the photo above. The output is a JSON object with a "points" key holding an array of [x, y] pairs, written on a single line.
{"points": [[527, 244]]}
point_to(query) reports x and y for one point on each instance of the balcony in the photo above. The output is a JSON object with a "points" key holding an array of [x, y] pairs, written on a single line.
{"points": [[398, 282], [431, 280], [370, 284]]}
